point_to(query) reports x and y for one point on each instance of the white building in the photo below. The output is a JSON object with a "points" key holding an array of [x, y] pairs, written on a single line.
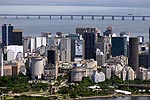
{"points": [[39, 41], [100, 57], [124, 74], [12, 51], [84, 69], [117, 70], [107, 71], [127, 73], [53, 41], [144, 74], [37, 67], [1, 64], [98, 77], [32, 45], [130, 74]]}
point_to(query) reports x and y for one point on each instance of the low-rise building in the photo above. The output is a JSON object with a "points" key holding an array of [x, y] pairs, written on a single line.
{"points": [[98, 77], [127, 73], [144, 74], [83, 69], [13, 68]]}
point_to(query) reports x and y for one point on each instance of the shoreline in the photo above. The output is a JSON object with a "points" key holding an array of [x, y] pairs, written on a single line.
{"points": [[113, 96]]}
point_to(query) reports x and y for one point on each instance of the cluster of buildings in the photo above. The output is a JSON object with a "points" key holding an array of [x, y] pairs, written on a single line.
{"points": [[86, 53]]}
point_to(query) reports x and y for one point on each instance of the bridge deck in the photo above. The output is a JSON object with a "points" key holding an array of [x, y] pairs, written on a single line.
{"points": [[113, 17]]}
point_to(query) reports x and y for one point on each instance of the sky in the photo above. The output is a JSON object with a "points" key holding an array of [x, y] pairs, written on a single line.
{"points": [[132, 3]]}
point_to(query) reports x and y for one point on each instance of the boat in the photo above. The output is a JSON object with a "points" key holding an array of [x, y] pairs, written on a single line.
{"points": [[130, 14]]}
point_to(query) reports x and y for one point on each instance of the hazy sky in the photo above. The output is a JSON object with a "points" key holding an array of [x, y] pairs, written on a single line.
{"points": [[141, 3]]}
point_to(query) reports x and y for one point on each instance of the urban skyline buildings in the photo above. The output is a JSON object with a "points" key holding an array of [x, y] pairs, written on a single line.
{"points": [[87, 45], [11, 36]]}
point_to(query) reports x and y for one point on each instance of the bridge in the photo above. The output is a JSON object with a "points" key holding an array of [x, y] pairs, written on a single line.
{"points": [[141, 86], [92, 17]]}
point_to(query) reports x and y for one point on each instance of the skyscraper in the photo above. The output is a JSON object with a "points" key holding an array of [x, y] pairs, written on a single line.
{"points": [[133, 53], [82, 30], [51, 69], [119, 46], [90, 51], [51, 56], [16, 37], [65, 50], [143, 60], [73, 38], [7, 34]]}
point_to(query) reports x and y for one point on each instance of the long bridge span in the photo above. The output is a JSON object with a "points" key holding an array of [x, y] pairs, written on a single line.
{"points": [[82, 17]]}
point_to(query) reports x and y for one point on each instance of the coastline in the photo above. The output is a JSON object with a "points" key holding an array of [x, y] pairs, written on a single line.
{"points": [[113, 96]]}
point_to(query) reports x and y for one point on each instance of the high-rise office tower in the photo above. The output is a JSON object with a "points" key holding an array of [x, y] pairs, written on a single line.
{"points": [[16, 37], [133, 54], [72, 49], [73, 38], [143, 60], [65, 50], [119, 46], [7, 34], [52, 56], [103, 43], [82, 30], [26, 44], [89, 40], [51, 69]]}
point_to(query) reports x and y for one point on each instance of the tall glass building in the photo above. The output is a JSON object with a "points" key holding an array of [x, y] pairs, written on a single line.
{"points": [[119, 46], [16, 37], [133, 53], [89, 40], [7, 34]]}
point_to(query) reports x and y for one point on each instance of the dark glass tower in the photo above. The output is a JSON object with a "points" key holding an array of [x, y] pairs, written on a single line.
{"points": [[72, 49], [51, 56], [7, 34], [89, 40], [16, 37], [119, 46], [133, 53], [143, 60]]}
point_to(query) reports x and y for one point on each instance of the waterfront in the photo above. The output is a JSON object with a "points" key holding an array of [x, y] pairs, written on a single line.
{"points": [[123, 98], [35, 26]]}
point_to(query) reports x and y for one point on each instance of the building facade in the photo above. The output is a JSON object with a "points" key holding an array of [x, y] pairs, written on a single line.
{"points": [[133, 54], [89, 40], [7, 34], [119, 46]]}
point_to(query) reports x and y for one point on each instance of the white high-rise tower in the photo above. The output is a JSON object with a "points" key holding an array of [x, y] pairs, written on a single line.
{"points": [[1, 63]]}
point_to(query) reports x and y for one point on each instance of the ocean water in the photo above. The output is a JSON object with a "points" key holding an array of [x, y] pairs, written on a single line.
{"points": [[123, 98], [35, 26]]}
